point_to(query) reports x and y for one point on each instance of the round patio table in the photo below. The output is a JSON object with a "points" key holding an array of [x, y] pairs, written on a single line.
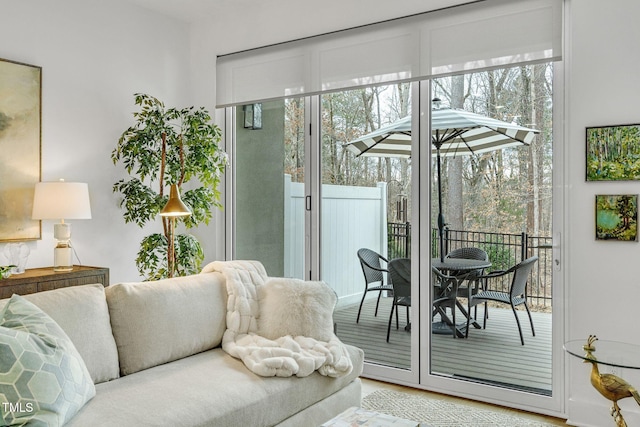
{"points": [[459, 265]]}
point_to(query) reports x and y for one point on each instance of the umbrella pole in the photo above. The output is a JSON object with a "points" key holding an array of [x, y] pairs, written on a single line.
{"points": [[440, 216]]}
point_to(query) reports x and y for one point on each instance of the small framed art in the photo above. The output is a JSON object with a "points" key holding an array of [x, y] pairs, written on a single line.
{"points": [[613, 153], [617, 217]]}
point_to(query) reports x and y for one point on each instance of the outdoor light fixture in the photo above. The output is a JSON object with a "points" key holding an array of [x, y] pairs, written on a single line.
{"points": [[437, 102], [172, 210], [61, 200], [252, 116]]}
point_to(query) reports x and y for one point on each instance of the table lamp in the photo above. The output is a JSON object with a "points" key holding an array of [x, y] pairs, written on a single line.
{"points": [[172, 210], [61, 200]]}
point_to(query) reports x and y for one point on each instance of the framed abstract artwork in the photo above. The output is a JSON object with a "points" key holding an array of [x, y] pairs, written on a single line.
{"points": [[617, 217], [613, 153], [20, 132]]}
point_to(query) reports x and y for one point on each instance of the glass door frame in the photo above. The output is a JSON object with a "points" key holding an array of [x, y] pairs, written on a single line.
{"points": [[551, 405], [419, 375], [312, 185]]}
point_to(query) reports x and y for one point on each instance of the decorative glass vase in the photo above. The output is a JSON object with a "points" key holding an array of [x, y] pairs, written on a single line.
{"points": [[17, 254]]}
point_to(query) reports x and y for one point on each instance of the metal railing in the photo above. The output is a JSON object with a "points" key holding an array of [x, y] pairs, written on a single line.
{"points": [[398, 239], [504, 250]]}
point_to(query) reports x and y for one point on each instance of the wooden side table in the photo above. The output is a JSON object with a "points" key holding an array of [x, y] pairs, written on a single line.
{"points": [[45, 279]]}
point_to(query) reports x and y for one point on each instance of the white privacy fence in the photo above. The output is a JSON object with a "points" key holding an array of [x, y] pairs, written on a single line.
{"points": [[351, 218]]}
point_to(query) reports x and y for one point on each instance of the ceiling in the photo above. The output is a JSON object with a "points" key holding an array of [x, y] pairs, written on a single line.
{"points": [[327, 10], [195, 10], [255, 23]]}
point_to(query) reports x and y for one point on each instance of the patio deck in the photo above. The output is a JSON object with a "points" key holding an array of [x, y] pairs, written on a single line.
{"points": [[493, 355]]}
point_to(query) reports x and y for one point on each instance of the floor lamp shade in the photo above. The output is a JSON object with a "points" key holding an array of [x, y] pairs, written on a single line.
{"points": [[61, 200], [174, 206], [172, 210]]}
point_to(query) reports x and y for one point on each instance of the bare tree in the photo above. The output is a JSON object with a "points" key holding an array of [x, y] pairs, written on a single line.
{"points": [[454, 202]]}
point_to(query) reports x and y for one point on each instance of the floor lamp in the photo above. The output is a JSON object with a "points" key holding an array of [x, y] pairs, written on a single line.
{"points": [[172, 210], [61, 200]]}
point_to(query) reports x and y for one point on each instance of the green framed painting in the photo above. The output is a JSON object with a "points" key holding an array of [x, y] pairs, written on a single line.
{"points": [[613, 153], [617, 217], [20, 130]]}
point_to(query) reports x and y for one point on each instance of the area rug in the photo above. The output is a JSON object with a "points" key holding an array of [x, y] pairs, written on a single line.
{"points": [[442, 413]]}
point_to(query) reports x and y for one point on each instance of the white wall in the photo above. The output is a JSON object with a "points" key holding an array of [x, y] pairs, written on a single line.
{"points": [[94, 56], [603, 287]]}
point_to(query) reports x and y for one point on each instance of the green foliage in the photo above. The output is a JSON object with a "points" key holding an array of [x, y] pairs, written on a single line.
{"points": [[140, 202], [613, 153], [616, 217], [192, 154], [152, 256], [4, 270], [500, 255]]}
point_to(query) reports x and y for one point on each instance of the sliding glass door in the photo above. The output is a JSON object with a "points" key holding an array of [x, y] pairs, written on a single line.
{"points": [[321, 178], [366, 218], [342, 159], [496, 207], [307, 202], [269, 194]]}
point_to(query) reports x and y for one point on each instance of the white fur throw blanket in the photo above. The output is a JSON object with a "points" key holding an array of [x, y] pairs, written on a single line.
{"points": [[255, 300]]}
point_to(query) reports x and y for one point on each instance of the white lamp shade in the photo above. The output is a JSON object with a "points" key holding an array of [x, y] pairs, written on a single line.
{"points": [[61, 200]]}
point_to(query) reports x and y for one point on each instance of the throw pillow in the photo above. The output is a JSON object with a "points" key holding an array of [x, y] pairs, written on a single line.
{"points": [[297, 308], [43, 379]]}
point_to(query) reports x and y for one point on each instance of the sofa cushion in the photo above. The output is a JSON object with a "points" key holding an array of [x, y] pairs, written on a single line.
{"points": [[165, 320], [43, 379], [297, 308], [212, 389], [82, 313]]}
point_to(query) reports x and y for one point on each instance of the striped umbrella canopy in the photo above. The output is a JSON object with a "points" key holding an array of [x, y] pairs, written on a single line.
{"points": [[453, 132]]}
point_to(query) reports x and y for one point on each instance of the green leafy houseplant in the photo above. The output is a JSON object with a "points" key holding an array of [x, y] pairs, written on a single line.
{"points": [[5, 271], [168, 146]]}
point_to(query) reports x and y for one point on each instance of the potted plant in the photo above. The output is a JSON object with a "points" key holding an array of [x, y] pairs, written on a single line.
{"points": [[5, 271], [167, 146]]}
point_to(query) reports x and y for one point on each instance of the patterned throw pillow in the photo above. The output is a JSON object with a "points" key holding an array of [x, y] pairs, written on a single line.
{"points": [[43, 379]]}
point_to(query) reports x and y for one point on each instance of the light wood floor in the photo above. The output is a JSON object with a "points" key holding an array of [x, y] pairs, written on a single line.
{"points": [[369, 386]]}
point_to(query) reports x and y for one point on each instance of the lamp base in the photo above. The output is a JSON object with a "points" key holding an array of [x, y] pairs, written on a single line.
{"points": [[62, 257]]}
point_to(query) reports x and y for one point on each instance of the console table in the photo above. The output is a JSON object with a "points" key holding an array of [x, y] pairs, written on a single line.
{"points": [[45, 279]]}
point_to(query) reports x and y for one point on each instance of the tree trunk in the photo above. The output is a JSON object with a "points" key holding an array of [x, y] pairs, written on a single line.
{"points": [[539, 96], [454, 210], [528, 161]]}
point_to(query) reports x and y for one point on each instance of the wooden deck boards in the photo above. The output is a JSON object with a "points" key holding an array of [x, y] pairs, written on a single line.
{"points": [[493, 355]]}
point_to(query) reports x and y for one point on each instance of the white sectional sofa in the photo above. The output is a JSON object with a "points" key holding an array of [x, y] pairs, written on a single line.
{"points": [[153, 351]]}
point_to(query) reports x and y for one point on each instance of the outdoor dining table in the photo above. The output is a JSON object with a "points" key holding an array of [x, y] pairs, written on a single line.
{"points": [[458, 265]]}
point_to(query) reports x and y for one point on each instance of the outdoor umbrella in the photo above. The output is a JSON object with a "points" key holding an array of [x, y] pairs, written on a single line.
{"points": [[453, 132]]}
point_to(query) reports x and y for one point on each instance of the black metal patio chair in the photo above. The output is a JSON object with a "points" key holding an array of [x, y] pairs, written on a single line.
{"points": [[400, 272], [469, 279], [374, 276], [516, 296]]}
